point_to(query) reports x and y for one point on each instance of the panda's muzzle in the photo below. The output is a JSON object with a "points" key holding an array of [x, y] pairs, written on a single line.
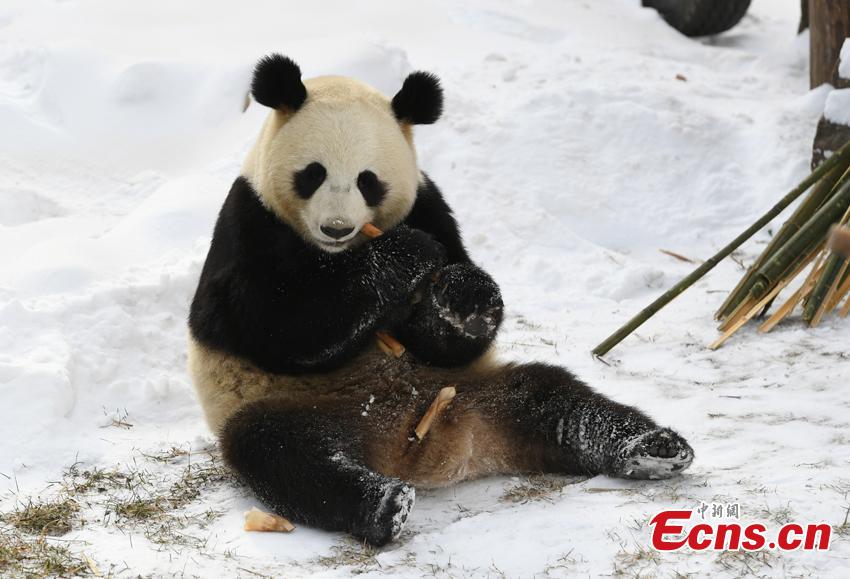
{"points": [[337, 228]]}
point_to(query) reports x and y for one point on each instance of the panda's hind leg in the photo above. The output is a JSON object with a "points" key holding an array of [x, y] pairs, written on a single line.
{"points": [[575, 429], [306, 465]]}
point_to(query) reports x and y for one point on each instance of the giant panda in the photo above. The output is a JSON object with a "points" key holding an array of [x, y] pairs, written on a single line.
{"points": [[309, 412]]}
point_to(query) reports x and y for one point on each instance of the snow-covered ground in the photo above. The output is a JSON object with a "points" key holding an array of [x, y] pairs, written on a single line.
{"points": [[580, 137]]}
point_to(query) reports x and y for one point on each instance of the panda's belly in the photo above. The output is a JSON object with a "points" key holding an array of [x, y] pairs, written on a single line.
{"points": [[224, 382]]}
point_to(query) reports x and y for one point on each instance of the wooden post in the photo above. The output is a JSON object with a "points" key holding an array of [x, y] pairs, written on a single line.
{"points": [[804, 16], [829, 25]]}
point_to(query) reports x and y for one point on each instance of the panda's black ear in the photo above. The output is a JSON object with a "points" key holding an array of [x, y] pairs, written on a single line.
{"points": [[277, 83], [420, 100]]}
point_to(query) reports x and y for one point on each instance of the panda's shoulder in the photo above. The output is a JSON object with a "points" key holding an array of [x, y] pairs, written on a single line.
{"points": [[429, 197], [243, 211], [246, 230], [433, 214]]}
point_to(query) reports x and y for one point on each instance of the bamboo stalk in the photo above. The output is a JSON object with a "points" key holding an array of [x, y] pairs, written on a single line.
{"points": [[619, 335], [826, 284], [740, 310], [784, 310], [797, 297], [830, 294], [814, 234], [748, 316], [815, 230], [840, 241], [443, 399], [804, 257], [842, 290], [760, 304], [820, 193], [827, 184]]}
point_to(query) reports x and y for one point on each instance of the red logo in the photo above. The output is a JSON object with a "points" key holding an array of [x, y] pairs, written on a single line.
{"points": [[671, 532]]}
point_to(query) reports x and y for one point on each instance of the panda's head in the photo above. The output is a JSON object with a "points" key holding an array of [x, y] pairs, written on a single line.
{"points": [[334, 153]]}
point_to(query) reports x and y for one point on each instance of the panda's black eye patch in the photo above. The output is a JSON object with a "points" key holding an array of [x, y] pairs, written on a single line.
{"points": [[308, 179], [372, 188]]}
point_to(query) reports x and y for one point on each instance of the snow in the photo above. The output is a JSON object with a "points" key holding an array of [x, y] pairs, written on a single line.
{"points": [[837, 108], [571, 154], [844, 61]]}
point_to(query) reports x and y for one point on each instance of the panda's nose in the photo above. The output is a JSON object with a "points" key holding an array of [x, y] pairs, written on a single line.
{"points": [[336, 229]]}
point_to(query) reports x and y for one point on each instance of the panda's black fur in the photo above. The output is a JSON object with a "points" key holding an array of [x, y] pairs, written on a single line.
{"points": [[277, 83], [314, 418], [273, 310], [420, 100]]}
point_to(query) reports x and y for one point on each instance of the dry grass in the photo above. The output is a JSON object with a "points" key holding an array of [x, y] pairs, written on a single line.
{"points": [[358, 557], [537, 487], [54, 517], [161, 504], [747, 563], [36, 557], [137, 509], [637, 562], [562, 565], [167, 455], [780, 515], [78, 481], [157, 505]]}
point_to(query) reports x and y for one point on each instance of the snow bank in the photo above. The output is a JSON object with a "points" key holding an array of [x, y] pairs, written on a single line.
{"points": [[837, 109]]}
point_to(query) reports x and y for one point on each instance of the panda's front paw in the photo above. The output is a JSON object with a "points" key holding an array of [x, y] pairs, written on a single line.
{"points": [[657, 454], [469, 300], [409, 254]]}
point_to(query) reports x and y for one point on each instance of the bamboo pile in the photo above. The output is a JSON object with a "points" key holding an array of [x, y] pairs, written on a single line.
{"points": [[803, 248], [800, 249]]}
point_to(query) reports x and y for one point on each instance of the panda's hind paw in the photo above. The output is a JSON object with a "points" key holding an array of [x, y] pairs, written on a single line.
{"points": [[657, 454], [388, 519]]}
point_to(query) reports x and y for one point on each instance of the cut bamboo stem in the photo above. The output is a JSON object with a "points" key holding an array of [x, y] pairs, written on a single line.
{"points": [[829, 296], [810, 235], [842, 291], [443, 399], [785, 310], [741, 310], [260, 521], [618, 336], [749, 315], [826, 284], [796, 298], [389, 345], [760, 304], [371, 231]]}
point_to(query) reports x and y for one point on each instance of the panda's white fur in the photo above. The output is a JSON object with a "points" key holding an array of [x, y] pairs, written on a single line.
{"points": [[348, 127]]}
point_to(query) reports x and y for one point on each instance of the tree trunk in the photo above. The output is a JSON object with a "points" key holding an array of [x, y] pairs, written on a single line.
{"points": [[829, 25]]}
